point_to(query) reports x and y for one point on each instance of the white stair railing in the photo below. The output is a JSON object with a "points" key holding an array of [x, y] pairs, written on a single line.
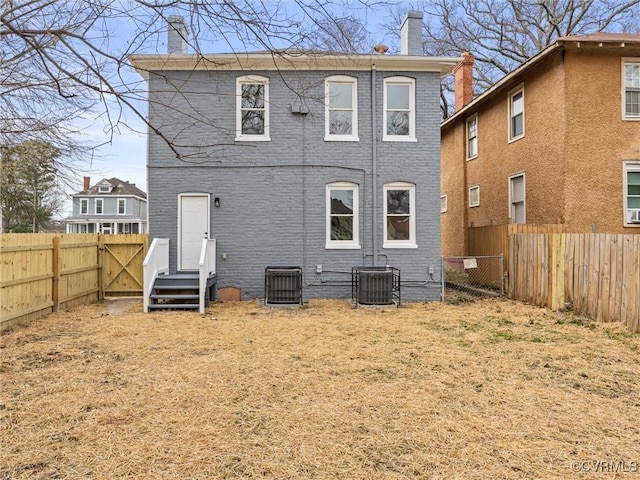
{"points": [[207, 267], [155, 263]]}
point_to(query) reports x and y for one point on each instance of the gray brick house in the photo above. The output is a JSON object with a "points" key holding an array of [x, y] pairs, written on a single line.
{"points": [[321, 161]]}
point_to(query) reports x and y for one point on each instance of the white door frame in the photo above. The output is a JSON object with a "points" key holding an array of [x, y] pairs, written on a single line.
{"points": [[180, 197]]}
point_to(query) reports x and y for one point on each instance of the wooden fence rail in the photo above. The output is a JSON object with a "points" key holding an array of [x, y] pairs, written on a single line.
{"points": [[41, 273], [598, 274]]}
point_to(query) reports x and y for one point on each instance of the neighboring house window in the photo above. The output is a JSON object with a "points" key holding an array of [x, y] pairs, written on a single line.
{"points": [[252, 94], [122, 206], [107, 228], [631, 91], [472, 137], [399, 109], [83, 228], [632, 193], [342, 215], [474, 196], [84, 206], [443, 203], [104, 188], [99, 205], [400, 215], [516, 114], [517, 205], [341, 108]]}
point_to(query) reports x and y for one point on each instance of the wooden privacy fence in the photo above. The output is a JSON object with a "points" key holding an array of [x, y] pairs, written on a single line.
{"points": [[598, 274], [41, 273]]}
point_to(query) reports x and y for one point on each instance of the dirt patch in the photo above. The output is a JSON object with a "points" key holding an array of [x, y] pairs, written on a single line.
{"points": [[489, 389]]}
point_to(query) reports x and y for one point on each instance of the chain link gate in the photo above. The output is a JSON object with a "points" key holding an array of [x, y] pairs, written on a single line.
{"points": [[467, 278]]}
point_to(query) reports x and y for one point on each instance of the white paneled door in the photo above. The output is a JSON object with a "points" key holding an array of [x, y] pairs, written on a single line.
{"points": [[193, 225]]}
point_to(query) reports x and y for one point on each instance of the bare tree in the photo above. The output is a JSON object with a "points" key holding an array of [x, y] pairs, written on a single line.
{"points": [[61, 61], [503, 34]]}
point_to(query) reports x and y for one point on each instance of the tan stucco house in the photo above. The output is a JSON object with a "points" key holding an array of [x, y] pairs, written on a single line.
{"points": [[555, 141]]}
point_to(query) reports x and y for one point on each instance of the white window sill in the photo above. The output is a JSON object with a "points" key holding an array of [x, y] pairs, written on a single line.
{"points": [[631, 225], [253, 139], [472, 158], [515, 139], [631, 119], [400, 245], [399, 139], [341, 139], [334, 246]]}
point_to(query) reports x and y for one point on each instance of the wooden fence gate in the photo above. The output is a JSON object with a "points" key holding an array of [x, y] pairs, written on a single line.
{"points": [[42, 273]]}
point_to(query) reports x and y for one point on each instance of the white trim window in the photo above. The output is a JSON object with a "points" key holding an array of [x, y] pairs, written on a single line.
{"points": [[472, 137], [400, 215], [99, 206], [474, 196], [443, 204], [631, 194], [84, 206], [516, 114], [631, 89], [517, 199], [342, 216], [399, 109], [252, 108], [341, 108], [122, 206]]}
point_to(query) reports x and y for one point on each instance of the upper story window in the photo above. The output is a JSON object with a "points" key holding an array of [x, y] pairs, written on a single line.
{"points": [[631, 90], [99, 206], [342, 215], [122, 206], [472, 137], [400, 215], [474, 196], [399, 109], [517, 197], [516, 114], [341, 108], [84, 206], [631, 194], [252, 105]]}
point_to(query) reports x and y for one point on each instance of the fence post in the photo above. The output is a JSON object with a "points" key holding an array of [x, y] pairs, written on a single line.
{"points": [[442, 278], [502, 274], [55, 265], [100, 266]]}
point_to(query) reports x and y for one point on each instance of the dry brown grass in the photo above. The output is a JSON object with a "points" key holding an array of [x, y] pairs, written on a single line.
{"points": [[492, 389]]}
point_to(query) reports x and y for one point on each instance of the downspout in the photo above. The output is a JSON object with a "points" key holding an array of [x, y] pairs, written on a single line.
{"points": [[374, 167]]}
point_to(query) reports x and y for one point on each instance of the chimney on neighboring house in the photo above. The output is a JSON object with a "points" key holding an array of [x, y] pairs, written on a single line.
{"points": [[463, 78], [411, 34], [87, 183], [177, 35]]}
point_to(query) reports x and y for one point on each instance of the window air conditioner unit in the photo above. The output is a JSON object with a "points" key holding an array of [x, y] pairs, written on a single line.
{"points": [[635, 216], [376, 286], [283, 286]]}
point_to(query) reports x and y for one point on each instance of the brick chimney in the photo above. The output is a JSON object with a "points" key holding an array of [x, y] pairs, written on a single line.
{"points": [[411, 34], [87, 183], [463, 78], [177, 35]]}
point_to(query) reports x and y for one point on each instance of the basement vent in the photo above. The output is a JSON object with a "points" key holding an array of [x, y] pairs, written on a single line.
{"points": [[375, 285], [283, 286]]}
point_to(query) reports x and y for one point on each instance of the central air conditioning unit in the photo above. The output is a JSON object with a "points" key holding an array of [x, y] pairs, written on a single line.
{"points": [[283, 286], [376, 285]]}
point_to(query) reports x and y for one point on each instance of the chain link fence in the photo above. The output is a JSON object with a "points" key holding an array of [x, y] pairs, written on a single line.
{"points": [[468, 278]]}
